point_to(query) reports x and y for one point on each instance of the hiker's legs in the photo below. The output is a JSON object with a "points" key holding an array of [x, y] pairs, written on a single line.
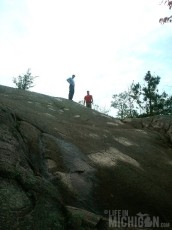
{"points": [[71, 95], [88, 105], [71, 92]]}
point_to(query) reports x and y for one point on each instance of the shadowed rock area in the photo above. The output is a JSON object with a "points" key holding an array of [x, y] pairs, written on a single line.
{"points": [[64, 166]]}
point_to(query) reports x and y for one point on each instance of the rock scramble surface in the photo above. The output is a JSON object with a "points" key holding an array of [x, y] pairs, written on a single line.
{"points": [[64, 166]]}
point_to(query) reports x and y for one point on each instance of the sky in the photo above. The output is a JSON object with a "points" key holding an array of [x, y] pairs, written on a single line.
{"points": [[107, 44]]}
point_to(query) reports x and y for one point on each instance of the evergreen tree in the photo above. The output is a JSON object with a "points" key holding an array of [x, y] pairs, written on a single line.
{"points": [[148, 97], [150, 93], [141, 101]]}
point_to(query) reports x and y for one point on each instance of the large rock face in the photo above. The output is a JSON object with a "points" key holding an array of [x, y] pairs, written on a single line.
{"points": [[64, 166]]}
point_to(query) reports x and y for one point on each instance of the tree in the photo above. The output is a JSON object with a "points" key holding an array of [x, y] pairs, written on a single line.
{"points": [[24, 82], [124, 102], [150, 101], [166, 19], [150, 93], [144, 100], [167, 106]]}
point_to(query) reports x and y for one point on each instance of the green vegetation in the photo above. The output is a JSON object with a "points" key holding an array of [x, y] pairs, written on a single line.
{"points": [[143, 101], [24, 82]]}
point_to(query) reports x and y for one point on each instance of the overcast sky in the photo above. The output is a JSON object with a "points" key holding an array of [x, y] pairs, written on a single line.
{"points": [[106, 43]]}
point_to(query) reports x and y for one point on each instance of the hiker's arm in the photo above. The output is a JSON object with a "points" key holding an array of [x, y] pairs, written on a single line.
{"points": [[68, 80]]}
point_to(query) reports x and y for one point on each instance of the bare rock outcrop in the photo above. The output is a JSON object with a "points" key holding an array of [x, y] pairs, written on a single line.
{"points": [[64, 166]]}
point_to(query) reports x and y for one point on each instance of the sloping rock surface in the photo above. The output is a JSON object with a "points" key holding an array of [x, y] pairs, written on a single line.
{"points": [[64, 166]]}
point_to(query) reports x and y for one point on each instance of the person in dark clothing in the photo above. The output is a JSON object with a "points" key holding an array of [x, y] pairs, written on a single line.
{"points": [[88, 99], [71, 86]]}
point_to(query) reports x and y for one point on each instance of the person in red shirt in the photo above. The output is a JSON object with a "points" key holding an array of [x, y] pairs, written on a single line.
{"points": [[88, 100]]}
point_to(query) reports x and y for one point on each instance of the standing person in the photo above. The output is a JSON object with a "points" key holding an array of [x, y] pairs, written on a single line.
{"points": [[88, 99], [71, 86]]}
